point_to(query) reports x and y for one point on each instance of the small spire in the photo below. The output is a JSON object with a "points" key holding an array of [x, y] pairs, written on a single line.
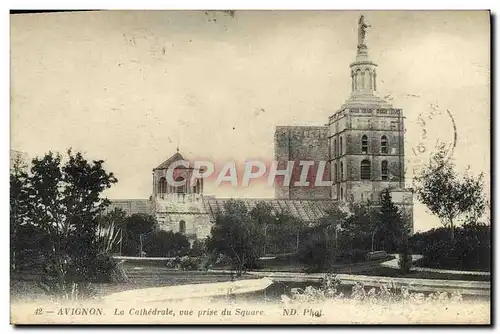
{"points": [[177, 148]]}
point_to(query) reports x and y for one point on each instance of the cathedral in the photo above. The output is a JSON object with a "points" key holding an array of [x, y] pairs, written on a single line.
{"points": [[363, 143]]}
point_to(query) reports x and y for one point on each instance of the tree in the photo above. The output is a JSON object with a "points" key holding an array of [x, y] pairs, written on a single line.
{"points": [[166, 243], [116, 220], [390, 223], [405, 258], [262, 212], [333, 220], [405, 249], [315, 251], [140, 223], [199, 248], [65, 206], [117, 217], [447, 194], [281, 229], [319, 246], [138, 226], [358, 228], [284, 233], [263, 215], [19, 209], [331, 223], [237, 235]]}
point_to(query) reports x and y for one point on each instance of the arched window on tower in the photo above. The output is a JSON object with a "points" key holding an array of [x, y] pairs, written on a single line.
{"points": [[182, 227], [341, 171], [384, 144], [365, 170], [335, 147], [162, 186], [341, 147], [182, 188], [368, 79], [360, 80], [384, 170], [335, 173], [357, 79], [364, 144]]}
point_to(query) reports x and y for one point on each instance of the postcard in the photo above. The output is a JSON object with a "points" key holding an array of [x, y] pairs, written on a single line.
{"points": [[250, 167]]}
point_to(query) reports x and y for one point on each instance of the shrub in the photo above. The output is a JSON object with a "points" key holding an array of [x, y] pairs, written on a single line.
{"points": [[199, 248], [317, 249], [190, 263], [405, 258], [470, 248], [316, 255], [206, 262], [108, 270], [351, 255], [130, 247], [358, 255], [163, 243], [60, 279], [404, 261], [173, 263]]}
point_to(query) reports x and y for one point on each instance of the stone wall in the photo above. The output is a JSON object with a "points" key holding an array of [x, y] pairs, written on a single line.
{"points": [[171, 209], [197, 226], [353, 142], [365, 189], [299, 143], [352, 167], [185, 203]]}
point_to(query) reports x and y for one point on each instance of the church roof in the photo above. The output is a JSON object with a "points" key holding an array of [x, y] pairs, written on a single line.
{"points": [[306, 210], [164, 165], [131, 206]]}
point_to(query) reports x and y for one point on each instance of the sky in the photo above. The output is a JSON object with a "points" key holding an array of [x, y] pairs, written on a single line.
{"points": [[129, 87]]}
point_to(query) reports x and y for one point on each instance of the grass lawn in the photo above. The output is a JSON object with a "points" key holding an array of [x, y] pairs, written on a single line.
{"points": [[290, 264]]}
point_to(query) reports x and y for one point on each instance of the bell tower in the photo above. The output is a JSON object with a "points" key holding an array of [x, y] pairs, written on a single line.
{"points": [[366, 135]]}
